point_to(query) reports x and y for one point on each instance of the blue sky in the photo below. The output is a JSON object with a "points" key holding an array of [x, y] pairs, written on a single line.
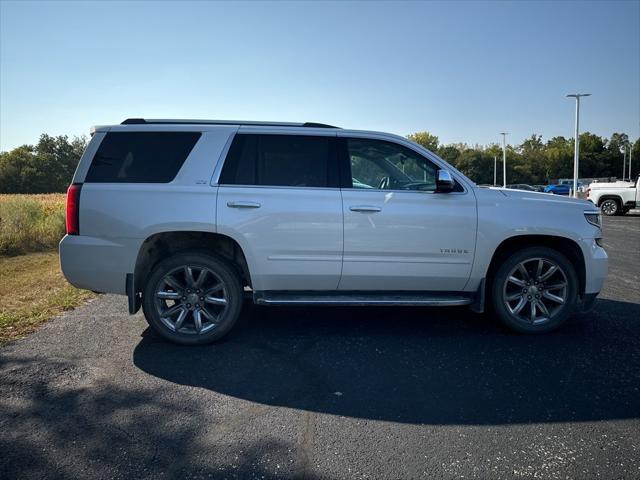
{"points": [[461, 70]]}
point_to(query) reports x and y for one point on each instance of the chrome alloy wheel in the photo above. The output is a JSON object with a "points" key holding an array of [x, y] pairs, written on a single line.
{"points": [[535, 290], [191, 299]]}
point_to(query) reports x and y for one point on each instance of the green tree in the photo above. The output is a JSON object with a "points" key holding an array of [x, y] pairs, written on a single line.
{"points": [[427, 140], [46, 167]]}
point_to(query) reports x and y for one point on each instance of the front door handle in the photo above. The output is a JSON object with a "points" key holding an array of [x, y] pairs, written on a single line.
{"points": [[365, 208], [243, 205]]}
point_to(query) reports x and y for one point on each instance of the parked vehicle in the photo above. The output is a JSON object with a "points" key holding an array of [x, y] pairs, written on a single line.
{"points": [[187, 218], [615, 198], [522, 186], [564, 187]]}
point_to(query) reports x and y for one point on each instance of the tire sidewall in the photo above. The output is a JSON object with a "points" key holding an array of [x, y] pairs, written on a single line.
{"points": [[226, 273], [501, 275]]}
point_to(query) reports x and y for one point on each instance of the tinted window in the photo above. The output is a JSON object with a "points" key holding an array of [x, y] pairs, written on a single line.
{"points": [[279, 160], [388, 166], [141, 157]]}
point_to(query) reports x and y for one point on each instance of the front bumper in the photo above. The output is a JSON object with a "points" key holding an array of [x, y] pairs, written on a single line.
{"points": [[596, 264]]}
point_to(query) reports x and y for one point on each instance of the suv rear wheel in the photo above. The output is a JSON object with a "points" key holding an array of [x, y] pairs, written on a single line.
{"points": [[192, 298], [535, 290]]}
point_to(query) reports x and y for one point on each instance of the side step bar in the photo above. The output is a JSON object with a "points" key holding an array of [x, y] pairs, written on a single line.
{"points": [[438, 299]]}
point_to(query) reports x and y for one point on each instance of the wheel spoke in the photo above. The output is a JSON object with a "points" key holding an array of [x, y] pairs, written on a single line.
{"points": [[215, 288], [523, 271], [539, 270], [205, 313], [197, 320], [517, 281], [169, 295], [542, 307], [203, 274], [188, 275], [533, 312], [181, 317], [513, 296], [172, 310], [173, 283], [215, 300], [556, 286], [516, 310], [553, 298], [547, 275]]}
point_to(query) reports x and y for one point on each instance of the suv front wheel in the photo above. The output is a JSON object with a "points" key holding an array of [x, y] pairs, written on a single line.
{"points": [[535, 290], [192, 298]]}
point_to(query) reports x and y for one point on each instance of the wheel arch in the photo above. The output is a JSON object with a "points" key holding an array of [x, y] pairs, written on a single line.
{"points": [[566, 246], [617, 198], [160, 245]]}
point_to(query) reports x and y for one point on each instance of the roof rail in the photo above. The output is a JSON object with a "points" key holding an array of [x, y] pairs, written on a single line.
{"points": [[157, 121]]}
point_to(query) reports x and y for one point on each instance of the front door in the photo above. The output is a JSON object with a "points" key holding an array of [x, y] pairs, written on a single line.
{"points": [[398, 233]]}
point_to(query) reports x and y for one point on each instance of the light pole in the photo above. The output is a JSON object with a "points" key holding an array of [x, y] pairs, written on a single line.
{"points": [[624, 162], [495, 172], [576, 152], [504, 159]]}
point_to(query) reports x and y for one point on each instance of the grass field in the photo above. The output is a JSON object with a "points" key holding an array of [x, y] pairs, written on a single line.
{"points": [[32, 288], [31, 223]]}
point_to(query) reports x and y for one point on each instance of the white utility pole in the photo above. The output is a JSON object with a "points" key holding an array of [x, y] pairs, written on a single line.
{"points": [[504, 159], [624, 163], [495, 170], [630, 150], [576, 152]]}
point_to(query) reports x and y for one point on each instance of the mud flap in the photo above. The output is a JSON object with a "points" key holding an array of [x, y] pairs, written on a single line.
{"points": [[135, 298]]}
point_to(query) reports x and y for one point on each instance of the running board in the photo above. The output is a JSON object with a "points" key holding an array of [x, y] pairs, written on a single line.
{"points": [[431, 299]]}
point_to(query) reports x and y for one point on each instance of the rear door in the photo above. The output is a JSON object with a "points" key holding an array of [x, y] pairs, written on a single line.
{"points": [[279, 198], [398, 233]]}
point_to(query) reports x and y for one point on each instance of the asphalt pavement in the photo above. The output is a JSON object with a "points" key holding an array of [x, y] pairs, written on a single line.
{"points": [[332, 393]]}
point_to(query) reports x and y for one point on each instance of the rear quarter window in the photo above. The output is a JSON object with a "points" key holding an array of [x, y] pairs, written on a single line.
{"points": [[141, 157]]}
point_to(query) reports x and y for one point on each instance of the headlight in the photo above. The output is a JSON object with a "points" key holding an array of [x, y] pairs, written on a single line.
{"points": [[594, 218]]}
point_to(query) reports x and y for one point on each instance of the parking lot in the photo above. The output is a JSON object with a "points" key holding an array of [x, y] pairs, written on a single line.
{"points": [[332, 393]]}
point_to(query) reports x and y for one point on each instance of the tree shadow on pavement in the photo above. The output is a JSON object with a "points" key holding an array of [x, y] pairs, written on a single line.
{"points": [[51, 428], [417, 365]]}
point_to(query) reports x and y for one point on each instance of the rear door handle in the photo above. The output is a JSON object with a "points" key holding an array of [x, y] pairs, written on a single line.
{"points": [[365, 208], [243, 205]]}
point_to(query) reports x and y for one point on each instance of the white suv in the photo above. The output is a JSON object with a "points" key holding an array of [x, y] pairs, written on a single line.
{"points": [[187, 218]]}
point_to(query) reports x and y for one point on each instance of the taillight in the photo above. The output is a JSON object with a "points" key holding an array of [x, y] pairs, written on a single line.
{"points": [[73, 209]]}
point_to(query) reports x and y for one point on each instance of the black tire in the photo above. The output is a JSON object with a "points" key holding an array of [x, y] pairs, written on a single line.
{"points": [[219, 272], [610, 207], [558, 313]]}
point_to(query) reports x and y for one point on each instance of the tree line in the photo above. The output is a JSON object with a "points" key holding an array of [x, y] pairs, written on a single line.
{"points": [[536, 162], [48, 166]]}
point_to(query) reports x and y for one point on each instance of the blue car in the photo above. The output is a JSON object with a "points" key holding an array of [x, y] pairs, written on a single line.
{"points": [[562, 188]]}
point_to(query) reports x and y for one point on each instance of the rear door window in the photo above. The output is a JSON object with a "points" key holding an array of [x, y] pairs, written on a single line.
{"points": [[141, 157], [280, 160]]}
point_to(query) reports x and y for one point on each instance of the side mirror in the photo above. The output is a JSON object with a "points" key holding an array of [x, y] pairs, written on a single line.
{"points": [[444, 182]]}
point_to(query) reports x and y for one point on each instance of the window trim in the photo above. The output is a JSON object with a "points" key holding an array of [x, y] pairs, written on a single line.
{"points": [[346, 181], [333, 164]]}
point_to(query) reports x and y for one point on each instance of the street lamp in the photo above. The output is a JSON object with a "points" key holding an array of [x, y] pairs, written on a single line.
{"points": [[495, 173], [576, 152], [504, 159]]}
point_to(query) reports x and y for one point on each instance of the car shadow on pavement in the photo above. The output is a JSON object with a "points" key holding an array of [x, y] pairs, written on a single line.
{"points": [[417, 365]]}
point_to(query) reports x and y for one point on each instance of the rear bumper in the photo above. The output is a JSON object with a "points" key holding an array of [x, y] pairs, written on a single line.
{"points": [[98, 264]]}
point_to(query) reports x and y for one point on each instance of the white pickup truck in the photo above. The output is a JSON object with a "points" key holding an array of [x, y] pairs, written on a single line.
{"points": [[615, 198]]}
